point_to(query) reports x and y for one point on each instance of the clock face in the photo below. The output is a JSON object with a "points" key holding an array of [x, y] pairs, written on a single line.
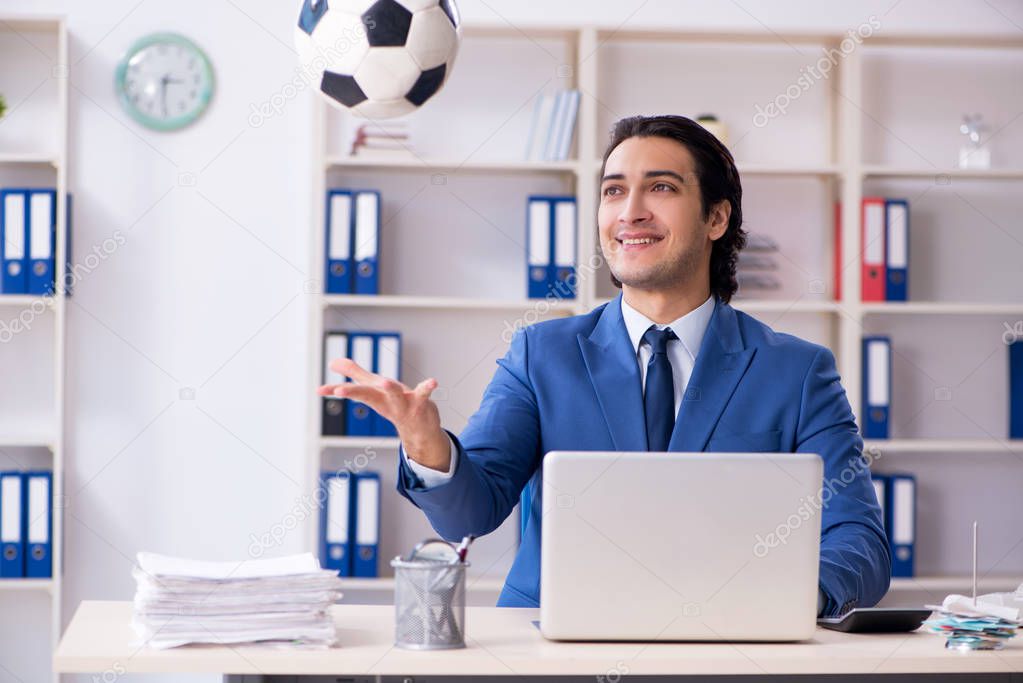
{"points": [[165, 81]]}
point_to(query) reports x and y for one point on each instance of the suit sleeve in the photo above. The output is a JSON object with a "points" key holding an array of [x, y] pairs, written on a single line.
{"points": [[429, 477], [855, 562], [497, 454]]}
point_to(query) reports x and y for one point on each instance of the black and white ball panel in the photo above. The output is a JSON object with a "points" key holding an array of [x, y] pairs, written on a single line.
{"points": [[380, 58]]}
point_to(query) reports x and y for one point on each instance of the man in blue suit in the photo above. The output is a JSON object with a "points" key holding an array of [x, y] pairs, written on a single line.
{"points": [[668, 365]]}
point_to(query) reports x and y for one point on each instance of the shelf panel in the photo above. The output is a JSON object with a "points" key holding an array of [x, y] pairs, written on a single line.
{"points": [[886, 445], [518, 31], [932, 173], [28, 158], [433, 302], [33, 22], [25, 300], [359, 442], [946, 445], [771, 306], [453, 165], [942, 308], [758, 169], [783, 170], [45, 585], [959, 584], [745, 37], [26, 441]]}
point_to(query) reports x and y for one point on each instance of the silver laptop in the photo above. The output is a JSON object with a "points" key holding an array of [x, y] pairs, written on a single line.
{"points": [[680, 546]]}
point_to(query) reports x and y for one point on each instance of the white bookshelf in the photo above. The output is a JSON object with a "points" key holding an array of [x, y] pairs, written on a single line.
{"points": [[16, 301], [781, 170], [755, 306], [951, 173], [358, 442], [29, 158], [942, 308], [18, 440], [945, 445], [34, 152], [823, 150], [931, 590], [959, 584], [463, 165], [28, 585], [454, 303]]}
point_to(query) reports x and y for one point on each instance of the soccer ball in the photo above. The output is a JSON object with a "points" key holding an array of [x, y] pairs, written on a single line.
{"points": [[378, 58]]}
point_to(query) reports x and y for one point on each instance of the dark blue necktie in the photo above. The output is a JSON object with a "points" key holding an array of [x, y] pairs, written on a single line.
{"points": [[659, 393]]}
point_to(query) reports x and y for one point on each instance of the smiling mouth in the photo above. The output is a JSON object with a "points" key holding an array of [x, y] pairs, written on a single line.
{"points": [[630, 243]]}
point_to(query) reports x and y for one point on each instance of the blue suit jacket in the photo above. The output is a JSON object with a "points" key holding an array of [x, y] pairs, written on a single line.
{"points": [[574, 384]]}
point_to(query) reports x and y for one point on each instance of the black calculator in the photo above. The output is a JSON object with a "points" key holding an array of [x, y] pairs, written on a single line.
{"points": [[876, 620]]}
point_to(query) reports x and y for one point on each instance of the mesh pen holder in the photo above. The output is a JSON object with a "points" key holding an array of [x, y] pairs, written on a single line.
{"points": [[429, 603]]}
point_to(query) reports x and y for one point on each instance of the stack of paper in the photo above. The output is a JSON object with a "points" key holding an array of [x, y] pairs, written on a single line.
{"points": [[755, 262], [969, 624], [281, 600]]}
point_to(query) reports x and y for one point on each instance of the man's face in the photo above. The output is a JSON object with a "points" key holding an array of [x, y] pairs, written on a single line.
{"points": [[652, 231]]}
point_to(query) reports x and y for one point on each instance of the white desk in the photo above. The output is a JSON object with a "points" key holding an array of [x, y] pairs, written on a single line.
{"points": [[503, 642]]}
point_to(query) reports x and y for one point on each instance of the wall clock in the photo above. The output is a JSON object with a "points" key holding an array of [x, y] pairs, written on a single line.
{"points": [[165, 81]]}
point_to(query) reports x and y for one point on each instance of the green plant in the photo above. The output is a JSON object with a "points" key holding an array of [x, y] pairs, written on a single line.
{"points": [[3, 105]]}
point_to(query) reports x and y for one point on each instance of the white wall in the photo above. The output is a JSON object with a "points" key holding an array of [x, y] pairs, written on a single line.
{"points": [[206, 292]]}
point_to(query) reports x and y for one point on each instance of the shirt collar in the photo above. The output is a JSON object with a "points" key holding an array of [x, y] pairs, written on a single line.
{"points": [[690, 328]]}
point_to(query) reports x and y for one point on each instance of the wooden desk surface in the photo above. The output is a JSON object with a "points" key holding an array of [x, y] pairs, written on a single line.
{"points": [[503, 641]]}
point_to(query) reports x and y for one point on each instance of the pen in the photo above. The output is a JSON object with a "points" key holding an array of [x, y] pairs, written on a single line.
{"points": [[463, 547], [974, 563]]}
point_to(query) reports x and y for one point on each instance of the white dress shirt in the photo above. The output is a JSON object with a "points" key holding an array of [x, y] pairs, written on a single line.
{"points": [[682, 353]]}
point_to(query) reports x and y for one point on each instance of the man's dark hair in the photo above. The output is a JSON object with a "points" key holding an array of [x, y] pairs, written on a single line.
{"points": [[718, 179]]}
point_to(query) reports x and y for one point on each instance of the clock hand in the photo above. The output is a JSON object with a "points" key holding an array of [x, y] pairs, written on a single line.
{"points": [[163, 93]]}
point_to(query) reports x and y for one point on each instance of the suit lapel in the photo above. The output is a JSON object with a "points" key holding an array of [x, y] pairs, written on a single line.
{"points": [[720, 364], [613, 369]]}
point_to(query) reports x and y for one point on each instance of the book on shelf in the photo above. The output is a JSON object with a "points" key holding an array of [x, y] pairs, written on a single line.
{"points": [[1016, 388], [753, 261], [384, 140], [352, 241], [552, 126], [551, 226], [755, 266], [897, 496], [26, 524], [759, 242], [753, 283], [837, 262], [28, 241], [884, 249], [877, 386], [384, 154], [350, 523], [377, 352]]}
